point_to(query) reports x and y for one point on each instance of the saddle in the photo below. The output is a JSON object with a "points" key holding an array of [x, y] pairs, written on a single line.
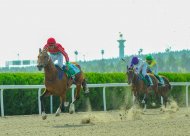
{"points": [[73, 70], [141, 77]]}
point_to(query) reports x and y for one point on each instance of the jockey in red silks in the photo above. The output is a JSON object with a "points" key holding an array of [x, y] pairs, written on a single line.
{"points": [[56, 52]]}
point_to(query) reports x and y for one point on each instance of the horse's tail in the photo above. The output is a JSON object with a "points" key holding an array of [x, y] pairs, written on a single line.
{"points": [[84, 86]]}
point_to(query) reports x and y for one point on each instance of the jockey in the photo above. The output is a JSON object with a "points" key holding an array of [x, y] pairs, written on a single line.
{"points": [[56, 53], [141, 67], [153, 68]]}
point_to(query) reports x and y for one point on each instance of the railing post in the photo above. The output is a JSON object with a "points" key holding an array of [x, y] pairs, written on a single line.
{"points": [[72, 95], [104, 97], [2, 105], [187, 101], [51, 104], [39, 101]]}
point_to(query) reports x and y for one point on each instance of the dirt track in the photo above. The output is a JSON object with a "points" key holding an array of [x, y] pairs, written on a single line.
{"points": [[112, 123]]}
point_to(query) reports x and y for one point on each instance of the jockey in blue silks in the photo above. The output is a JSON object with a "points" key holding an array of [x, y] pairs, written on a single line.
{"points": [[140, 67]]}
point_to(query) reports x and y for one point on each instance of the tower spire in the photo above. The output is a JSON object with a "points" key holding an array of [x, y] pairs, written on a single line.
{"points": [[121, 45]]}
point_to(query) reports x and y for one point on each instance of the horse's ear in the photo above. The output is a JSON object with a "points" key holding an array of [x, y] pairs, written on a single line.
{"points": [[40, 50], [45, 49]]}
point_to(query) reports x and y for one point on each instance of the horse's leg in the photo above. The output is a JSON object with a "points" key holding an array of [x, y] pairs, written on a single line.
{"points": [[164, 95], [78, 87], [84, 85], [45, 94], [144, 101], [60, 107], [72, 106]]}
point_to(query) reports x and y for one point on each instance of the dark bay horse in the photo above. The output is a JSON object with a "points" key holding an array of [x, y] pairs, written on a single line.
{"points": [[139, 86], [54, 85], [163, 90]]}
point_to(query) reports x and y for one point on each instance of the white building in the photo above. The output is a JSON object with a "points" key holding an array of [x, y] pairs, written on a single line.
{"points": [[20, 63]]}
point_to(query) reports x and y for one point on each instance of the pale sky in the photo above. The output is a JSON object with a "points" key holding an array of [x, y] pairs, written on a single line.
{"points": [[89, 26]]}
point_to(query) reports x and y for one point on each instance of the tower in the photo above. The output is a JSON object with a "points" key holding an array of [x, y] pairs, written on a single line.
{"points": [[121, 46]]}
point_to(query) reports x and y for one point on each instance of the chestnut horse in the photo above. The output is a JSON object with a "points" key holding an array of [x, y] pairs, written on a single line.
{"points": [[54, 85], [139, 86]]}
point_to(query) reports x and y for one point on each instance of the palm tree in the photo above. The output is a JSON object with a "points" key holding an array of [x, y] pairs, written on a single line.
{"points": [[140, 51], [76, 55], [168, 49], [102, 52]]}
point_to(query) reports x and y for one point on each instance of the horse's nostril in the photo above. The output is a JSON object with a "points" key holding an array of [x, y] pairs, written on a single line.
{"points": [[39, 67]]}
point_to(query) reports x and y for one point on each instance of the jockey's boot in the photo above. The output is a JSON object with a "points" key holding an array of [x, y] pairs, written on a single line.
{"points": [[73, 79], [149, 81], [161, 82]]}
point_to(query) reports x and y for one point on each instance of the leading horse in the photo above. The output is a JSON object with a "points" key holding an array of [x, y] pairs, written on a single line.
{"points": [[56, 85], [139, 86]]}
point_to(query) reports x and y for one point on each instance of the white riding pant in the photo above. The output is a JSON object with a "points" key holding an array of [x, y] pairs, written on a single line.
{"points": [[57, 57]]}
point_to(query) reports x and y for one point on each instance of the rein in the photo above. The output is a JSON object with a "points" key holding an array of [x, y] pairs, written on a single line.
{"points": [[133, 77], [47, 68]]}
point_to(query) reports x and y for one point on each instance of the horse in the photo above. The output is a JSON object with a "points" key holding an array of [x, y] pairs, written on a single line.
{"points": [[54, 85], [140, 87], [163, 90]]}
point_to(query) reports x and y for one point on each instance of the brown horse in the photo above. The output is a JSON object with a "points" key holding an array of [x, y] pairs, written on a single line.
{"points": [[163, 90], [54, 85], [139, 86]]}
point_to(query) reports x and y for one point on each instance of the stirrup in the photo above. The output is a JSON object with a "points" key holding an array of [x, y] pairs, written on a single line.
{"points": [[160, 84]]}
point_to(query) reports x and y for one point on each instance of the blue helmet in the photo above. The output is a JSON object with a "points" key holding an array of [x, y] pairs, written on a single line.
{"points": [[135, 61]]}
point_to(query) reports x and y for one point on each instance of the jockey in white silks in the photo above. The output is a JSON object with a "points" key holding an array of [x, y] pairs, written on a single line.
{"points": [[140, 67]]}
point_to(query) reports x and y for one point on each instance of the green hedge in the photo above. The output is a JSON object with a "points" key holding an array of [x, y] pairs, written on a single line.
{"points": [[22, 101]]}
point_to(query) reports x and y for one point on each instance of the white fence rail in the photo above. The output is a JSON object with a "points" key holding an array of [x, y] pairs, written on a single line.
{"points": [[39, 87]]}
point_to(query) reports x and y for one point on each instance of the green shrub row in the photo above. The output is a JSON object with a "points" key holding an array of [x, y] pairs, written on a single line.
{"points": [[23, 101], [94, 78]]}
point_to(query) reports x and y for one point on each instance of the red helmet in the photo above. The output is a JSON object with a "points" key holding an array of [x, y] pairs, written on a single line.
{"points": [[51, 41]]}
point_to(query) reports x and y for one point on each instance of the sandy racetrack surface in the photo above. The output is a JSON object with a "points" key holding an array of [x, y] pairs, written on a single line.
{"points": [[112, 123]]}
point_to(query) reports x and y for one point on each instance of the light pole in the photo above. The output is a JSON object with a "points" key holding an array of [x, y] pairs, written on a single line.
{"points": [[76, 55], [102, 52]]}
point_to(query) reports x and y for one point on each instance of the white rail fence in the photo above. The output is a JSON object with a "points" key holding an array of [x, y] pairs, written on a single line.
{"points": [[40, 87]]}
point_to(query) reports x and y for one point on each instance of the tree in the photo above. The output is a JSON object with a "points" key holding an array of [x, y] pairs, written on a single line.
{"points": [[140, 51], [76, 55], [102, 52]]}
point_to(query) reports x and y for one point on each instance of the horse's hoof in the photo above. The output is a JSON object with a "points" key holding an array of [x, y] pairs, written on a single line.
{"points": [[143, 102], [44, 116], [58, 112], [86, 91], [72, 108], [153, 104], [66, 104]]}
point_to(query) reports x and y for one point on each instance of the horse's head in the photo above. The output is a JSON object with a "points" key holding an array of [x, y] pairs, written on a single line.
{"points": [[130, 74], [43, 59]]}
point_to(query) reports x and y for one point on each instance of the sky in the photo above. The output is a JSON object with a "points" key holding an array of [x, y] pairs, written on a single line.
{"points": [[90, 26]]}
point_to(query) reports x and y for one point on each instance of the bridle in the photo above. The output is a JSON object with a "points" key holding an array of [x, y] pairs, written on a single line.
{"points": [[45, 63]]}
